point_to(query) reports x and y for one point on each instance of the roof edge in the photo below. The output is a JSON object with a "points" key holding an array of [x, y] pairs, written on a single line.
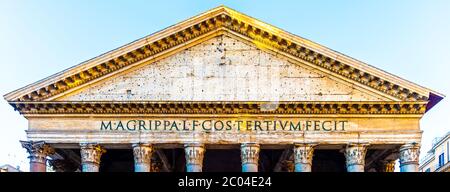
{"points": [[114, 52], [434, 98]]}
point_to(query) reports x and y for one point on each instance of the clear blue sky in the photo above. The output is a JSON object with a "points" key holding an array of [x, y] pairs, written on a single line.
{"points": [[39, 38]]}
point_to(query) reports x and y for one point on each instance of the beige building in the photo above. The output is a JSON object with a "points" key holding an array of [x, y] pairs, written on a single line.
{"points": [[9, 168], [223, 91], [438, 158]]}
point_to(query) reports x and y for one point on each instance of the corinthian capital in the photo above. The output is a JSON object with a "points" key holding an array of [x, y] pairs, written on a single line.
{"points": [[91, 153], [142, 153], [303, 153], [250, 153], [387, 166], [409, 153], [38, 150], [194, 153], [355, 154]]}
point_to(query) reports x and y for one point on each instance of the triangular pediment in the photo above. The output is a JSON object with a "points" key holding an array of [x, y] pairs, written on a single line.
{"points": [[224, 68], [307, 71]]}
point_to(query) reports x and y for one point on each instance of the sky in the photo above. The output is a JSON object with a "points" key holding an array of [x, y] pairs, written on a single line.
{"points": [[408, 38]]}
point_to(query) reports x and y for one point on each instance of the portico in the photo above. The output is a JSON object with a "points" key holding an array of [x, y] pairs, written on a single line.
{"points": [[223, 92], [145, 158]]}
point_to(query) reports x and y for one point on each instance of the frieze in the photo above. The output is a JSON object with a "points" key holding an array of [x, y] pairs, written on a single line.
{"points": [[232, 107], [207, 125]]}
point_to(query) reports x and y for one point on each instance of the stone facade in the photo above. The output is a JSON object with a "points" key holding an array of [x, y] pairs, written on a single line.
{"points": [[223, 66]]}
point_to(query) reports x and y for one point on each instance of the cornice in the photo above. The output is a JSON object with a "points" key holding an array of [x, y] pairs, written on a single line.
{"points": [[219, 107], [444, 168], [220, 19]]}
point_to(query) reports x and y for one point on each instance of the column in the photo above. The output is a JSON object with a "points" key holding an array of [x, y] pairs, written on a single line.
{"points": [[303, 154], [90, 157], [387, 165], [142, 157], [249, 157], [194, 153], [409, 157], [355, 155], [38, 154]]}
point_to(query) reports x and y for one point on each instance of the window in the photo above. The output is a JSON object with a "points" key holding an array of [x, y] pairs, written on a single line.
{"points": [[441, 160], [428, 170]]}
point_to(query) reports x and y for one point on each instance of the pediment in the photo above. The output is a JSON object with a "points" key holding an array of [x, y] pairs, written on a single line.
{"points": [[223, 68], [307, 71]]}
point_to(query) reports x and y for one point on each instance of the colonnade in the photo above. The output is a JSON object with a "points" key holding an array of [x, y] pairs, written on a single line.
{"points": [[355, 154]]}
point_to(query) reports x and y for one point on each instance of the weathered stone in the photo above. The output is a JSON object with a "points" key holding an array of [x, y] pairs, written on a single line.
{"points": [[203, 69], [197, 74]]}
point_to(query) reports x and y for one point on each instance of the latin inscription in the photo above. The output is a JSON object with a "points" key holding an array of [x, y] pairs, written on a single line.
{"points": [[223, 125]]}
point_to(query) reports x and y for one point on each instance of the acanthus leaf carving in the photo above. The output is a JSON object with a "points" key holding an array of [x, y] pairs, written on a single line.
{"points": [[303, 153], [409, 153], [250, 153], [194, 153], [355, 154], [38, 150], [142, 153], [91, 153]]}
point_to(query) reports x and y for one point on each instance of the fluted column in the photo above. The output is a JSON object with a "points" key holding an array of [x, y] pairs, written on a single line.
{"points": [[409, 157], [142, 157], [250, 157], [303, 154], [194, 153], [90, 157], [38, 154], [355, 155]]}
